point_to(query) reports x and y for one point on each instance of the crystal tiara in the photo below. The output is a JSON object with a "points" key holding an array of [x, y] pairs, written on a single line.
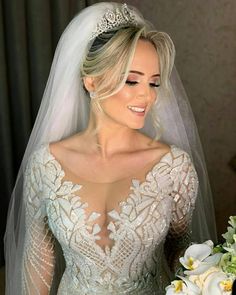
{"points": [[114, 19]]}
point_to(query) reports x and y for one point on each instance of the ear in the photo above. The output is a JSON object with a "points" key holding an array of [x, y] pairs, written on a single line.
{"points": [[89, 83]]}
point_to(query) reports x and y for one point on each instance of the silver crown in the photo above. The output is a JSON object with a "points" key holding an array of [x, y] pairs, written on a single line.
{"points": [[114, 19]]}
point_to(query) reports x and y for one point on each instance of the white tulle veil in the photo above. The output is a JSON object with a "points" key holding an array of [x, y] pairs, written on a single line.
{"points": [[64, 111]]}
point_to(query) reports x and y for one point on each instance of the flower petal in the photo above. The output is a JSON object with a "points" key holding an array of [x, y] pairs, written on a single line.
{"points": [[212, 283], [205, 265], [171, 290], [209, 243], [214, 259], [191, 286], [198, 251]]}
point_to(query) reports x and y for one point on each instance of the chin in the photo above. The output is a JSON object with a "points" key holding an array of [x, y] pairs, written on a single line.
{"points": [[136, 126]]}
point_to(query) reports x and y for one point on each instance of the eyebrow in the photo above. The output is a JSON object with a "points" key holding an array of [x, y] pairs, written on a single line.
{"points": [[142, 74]]}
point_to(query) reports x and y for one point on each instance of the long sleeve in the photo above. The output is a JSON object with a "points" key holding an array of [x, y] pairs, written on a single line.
{"points": [[38, 257], [184, 195]]}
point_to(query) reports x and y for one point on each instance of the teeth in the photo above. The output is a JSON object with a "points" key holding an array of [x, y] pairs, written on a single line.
{"points": [[136, 109]]}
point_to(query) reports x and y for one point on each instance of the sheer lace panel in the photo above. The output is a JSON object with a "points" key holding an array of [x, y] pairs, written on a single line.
{"points": [[129, 258], [185, 187], [184, 192], [38, 258], [104, 203]]}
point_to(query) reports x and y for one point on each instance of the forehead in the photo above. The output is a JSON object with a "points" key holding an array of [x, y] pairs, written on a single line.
{"points": [[145, 57]]}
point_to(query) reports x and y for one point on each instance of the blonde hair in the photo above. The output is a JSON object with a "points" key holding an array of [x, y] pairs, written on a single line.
{"points": [[110, 56]]}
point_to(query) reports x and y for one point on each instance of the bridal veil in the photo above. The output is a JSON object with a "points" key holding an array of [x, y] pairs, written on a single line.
{"points": [[64, 111]]}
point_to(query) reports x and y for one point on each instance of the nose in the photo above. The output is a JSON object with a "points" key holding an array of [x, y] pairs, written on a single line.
{"points": [[145, 93]]}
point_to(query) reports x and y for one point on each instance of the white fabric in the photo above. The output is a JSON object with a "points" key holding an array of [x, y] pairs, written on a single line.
{"points": [[133, 263], [64, 111]]}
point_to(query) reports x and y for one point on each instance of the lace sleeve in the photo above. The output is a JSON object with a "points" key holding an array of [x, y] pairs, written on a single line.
{"points": [[184, 195], [38, 257]]}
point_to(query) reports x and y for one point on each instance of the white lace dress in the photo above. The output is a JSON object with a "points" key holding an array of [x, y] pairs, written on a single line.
{"points": [[158, 207]]}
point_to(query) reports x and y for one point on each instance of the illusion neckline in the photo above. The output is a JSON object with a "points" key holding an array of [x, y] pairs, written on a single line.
{"points": [[154, 167], [110, 250]]}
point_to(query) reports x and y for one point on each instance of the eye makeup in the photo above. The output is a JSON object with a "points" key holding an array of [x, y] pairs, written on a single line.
{"points": [[134, 80]]}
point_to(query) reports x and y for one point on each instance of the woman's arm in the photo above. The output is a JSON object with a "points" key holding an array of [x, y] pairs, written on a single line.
{"points": [[184, 195], [38, 257]]}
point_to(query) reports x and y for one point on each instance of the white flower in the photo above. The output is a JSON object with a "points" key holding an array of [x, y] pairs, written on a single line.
{"points": [[200, 279], [198, 259], [213, 281], [218, 283], [182, 287]]}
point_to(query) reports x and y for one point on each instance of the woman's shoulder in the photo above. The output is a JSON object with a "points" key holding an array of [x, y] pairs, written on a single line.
{"points": [[179, 152], [39, 156], [160, 147], [172, 155], [182, 164], [180, 158], [46, 151], [75, 143]]}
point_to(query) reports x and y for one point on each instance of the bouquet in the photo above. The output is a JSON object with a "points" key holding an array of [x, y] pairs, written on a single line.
{"points": [[207, 270]]}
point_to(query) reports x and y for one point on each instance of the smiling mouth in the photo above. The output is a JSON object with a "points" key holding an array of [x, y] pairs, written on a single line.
{"points": [[137, 110]]}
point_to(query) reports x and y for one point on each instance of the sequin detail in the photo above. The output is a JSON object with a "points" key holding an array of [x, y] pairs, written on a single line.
{"points": [[159, 206]]}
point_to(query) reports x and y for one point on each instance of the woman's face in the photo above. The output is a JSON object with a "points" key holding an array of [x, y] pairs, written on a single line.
{"points": [[130, 105]]}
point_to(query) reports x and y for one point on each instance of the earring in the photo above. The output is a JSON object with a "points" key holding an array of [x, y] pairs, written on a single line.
{"points": [[92, 94]]}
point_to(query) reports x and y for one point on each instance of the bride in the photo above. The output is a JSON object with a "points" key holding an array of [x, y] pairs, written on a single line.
{"points": [[104, 188]]}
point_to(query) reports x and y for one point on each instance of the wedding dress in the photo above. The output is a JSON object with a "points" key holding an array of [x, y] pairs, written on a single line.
{"points": [[157, 206], [155, 209]]}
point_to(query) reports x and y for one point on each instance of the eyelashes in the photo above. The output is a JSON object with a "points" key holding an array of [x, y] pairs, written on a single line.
{"points": [[133, 83], [155, 85]]}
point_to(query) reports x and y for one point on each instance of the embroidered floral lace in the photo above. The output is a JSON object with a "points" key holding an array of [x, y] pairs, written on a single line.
{"points": [[158, 207]]}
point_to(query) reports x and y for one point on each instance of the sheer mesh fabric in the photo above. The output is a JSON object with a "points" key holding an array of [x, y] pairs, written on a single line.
{"points": [[117, 252], [38, 260]]}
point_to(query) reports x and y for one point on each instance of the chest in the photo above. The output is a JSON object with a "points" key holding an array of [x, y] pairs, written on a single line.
{"points": [[113, 170], [103, 214]]}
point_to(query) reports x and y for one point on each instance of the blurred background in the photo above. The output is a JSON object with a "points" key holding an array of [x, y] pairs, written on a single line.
{"points": [[204, 33]]}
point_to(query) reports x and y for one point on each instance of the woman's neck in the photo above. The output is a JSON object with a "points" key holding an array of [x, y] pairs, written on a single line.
{"points": [[109, 137]]}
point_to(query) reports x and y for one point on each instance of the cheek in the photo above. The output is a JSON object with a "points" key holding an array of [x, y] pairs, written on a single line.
{"points": [[153, 100], [124, 96], [153, 97], [117, 101]]}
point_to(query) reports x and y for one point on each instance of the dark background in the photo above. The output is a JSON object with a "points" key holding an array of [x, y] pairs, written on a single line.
{"points": [[204, 33]]}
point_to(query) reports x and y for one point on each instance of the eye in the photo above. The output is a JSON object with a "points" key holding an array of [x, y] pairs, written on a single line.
{"points": [[131, 83], [154, 85]]}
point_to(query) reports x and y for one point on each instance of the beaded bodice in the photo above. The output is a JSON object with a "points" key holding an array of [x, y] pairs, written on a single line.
{"points": [[133, 262]]}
